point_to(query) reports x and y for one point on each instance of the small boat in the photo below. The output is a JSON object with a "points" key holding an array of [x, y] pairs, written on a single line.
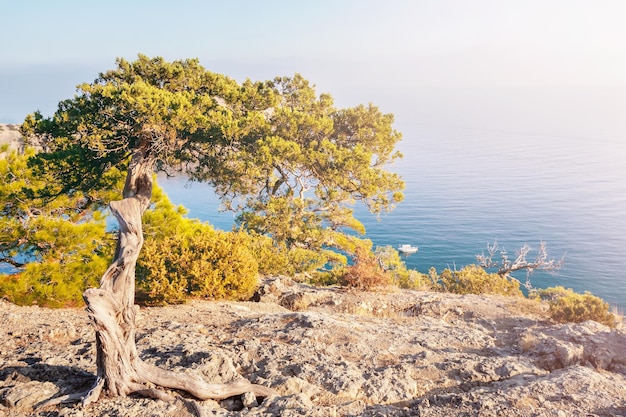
{"points": [[407, 248]]}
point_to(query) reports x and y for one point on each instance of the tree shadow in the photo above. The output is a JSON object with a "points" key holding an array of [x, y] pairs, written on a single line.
{"points": [[67, 378], [173, 356], [616, 410]]}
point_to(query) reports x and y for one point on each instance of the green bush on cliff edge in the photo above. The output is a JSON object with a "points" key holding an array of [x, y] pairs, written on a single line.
{"points": [[569, 306]]}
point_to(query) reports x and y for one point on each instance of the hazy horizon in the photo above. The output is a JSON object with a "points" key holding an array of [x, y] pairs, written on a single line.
{"points": [[554, 68]]}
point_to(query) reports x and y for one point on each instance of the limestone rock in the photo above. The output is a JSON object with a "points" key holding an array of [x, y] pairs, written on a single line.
{"points": [[28, 394], [332, 352]]}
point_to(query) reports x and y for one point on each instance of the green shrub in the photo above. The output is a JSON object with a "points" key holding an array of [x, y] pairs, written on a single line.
{"points": [[412, 280], [303, 260], [208, 264], [160, 278], [569, 306], [325, 278], [272, 258], [184, 258], [53, 284], [473, 279], [64, 240], [222, 267], [72, 258]]}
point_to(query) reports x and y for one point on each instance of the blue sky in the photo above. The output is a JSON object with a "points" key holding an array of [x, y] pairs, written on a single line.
{"points": [[546, 66]]}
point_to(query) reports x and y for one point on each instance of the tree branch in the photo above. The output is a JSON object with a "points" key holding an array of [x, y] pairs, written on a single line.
{"points": [[12, 262], [505, 266]]}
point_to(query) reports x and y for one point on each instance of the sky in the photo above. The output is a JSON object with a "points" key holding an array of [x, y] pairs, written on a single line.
{"points": [[539, 66]]}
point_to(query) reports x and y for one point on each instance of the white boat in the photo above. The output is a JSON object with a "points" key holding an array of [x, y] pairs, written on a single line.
{"points": [[407, 248]]}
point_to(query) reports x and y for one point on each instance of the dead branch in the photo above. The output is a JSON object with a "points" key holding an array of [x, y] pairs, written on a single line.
{"points": [[506, 266]]}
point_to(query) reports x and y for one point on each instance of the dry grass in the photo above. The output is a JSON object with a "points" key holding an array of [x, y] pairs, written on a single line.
{"points": [[527, 342], [527, 307], [618, 313]]}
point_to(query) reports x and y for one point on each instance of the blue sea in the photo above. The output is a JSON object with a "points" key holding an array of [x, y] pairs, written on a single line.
{"points": [[467, 187]]}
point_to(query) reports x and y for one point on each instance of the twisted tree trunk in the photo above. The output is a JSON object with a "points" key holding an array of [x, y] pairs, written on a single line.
{"points": [[112, 312], [111, 307]]}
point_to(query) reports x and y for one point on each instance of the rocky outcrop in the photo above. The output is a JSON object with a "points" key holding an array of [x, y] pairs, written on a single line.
{"points": [[332, 352], [10, 135]]}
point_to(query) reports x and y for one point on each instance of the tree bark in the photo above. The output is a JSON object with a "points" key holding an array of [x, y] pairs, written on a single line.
{"points": [[112, 311]]}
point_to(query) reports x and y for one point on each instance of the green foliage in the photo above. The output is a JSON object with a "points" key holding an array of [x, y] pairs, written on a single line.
{"points": [[53, 283], [338, 154], [275, 258], [184, 258], [64, 240], [226, 268], [148, 103], [412, 280], [569, 306], [207, 264], [473, 279], [326, 277], [285, 158], [272, 257], [164, 219], [160, 280]]}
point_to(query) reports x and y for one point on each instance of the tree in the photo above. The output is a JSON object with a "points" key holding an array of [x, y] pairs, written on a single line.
{"points": [[297, 170], [274, 146], [506, 265]]}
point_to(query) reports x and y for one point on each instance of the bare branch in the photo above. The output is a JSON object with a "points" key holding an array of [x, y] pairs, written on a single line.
{"points": [[506, 266]]}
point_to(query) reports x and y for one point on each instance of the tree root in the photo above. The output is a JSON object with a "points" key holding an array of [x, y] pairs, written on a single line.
{"points": [[190, 383], [94, 392], [199, 388]]}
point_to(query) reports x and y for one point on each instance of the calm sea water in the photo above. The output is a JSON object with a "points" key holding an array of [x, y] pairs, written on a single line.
{"points": [[465, 188]]}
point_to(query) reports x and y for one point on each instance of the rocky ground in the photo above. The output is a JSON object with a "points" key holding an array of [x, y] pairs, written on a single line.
{"points": [[332, 352]]}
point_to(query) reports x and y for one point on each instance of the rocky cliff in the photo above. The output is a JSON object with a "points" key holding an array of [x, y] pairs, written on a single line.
{"points": [[333, 352], [10, 135]]}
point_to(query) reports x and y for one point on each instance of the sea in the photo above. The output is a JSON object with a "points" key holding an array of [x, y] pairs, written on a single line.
{"points": [[466, 188]]}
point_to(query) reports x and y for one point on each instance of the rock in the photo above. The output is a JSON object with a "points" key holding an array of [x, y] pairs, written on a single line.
{"points": [[28, 394], [218, 367], [292, 404], [10, 135], [332, 352]]}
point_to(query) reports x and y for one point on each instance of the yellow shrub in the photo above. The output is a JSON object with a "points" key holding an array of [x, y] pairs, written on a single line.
{"points": [[473, 279], [222, 267], [160, 278], [215, 265], [569, 306]]}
